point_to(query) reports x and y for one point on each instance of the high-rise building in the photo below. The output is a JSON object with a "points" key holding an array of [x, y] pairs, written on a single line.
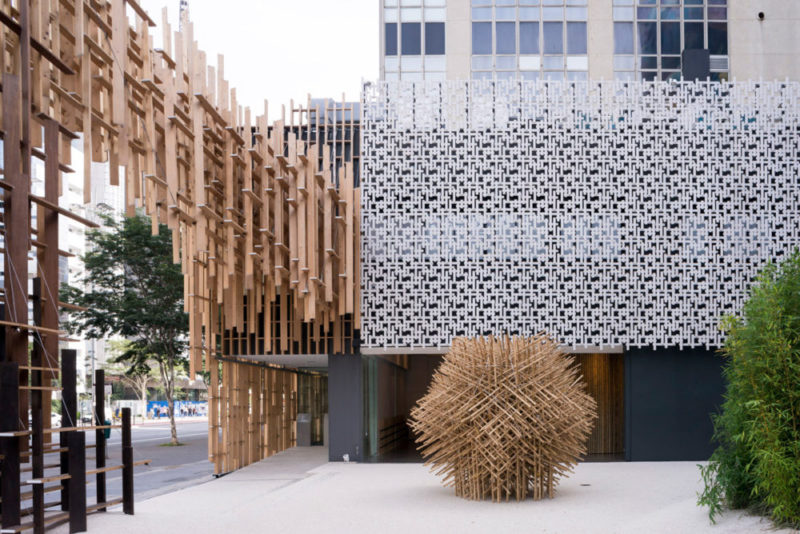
{"points": [[582, 39]]}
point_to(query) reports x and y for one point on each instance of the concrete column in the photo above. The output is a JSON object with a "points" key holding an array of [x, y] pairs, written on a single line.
{"points": [[764, 49], [458, 39], [600, 40]]}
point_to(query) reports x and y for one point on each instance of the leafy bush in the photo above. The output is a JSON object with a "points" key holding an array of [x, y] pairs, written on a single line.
{"points": [[757, 462]]}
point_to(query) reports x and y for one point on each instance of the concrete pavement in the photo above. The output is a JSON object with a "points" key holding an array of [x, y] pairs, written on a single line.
{"points": [[297, 491], [171, 469]]}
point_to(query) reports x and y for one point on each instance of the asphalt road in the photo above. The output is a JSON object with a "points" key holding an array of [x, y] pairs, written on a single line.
{"points": [[171, 469]]}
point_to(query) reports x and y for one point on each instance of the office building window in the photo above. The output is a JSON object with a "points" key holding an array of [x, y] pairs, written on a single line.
{"points": [[506, 36], [481, 38], [650, 35], [623, 37], [390, 37], [411, 39], [718, 38], [529, 39], [553, 37], [693, 35], [434, 38], [576, 38], [414, 39]]}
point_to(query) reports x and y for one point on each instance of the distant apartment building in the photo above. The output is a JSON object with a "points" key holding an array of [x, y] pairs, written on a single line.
{"points": [[73, 239]]}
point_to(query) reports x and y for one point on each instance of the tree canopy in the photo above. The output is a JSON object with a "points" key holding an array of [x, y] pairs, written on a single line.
{"points": [[132, 288]]}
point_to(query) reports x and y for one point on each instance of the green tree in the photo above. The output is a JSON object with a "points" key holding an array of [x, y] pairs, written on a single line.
{"points": [[132, 288], [757, 463], [135, 371]]}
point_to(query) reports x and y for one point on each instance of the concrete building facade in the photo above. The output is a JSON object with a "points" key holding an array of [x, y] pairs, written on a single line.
{"points": [[583, 39], [534, 181]]}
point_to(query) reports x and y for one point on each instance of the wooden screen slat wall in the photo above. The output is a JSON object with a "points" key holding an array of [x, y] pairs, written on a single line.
{"points": [[253, 417], [605, 375], [261, 211]]}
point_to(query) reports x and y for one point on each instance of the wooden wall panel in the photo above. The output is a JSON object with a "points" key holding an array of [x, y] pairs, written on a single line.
{"points": [[604, 375]]}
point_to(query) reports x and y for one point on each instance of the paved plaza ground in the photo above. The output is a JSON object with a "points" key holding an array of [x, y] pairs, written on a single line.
{"points": [[298, 491]]}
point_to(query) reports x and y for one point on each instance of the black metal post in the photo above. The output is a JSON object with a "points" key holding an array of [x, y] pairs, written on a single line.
{"points": [[127, 463], [76, 442], [37, 415], [2, 333], [69, 414], [100, 434], [9, 446]]}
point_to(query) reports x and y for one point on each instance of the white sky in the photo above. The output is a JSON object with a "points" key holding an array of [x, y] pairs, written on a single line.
{"points": [[284, 49]]}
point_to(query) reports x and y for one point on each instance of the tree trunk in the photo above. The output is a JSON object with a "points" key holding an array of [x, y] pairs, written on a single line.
{"points": [[143, 399], [168, 375], [173, 428]]}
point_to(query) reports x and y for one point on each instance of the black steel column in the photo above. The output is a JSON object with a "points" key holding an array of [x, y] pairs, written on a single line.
{"points": [[9, 446], [69, 414], [100, 434], [127, 463], [76, 442], [37, 421], [2, 333], [346, 407]]}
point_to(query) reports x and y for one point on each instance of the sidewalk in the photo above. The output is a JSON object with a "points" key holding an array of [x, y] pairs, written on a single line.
{"points": [[165, 421], [297, 491]]}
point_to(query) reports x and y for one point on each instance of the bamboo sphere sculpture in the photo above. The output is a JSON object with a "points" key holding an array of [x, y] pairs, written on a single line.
{"points": [[504, 417]]}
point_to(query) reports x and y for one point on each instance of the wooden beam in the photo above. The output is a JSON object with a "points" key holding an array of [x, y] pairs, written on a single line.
{"points": [[61, 211]]}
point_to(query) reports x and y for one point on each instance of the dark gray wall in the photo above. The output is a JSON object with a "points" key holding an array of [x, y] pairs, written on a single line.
{"points": [[345, 407], [669, 396]]}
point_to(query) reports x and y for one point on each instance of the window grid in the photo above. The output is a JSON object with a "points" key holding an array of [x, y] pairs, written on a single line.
{"points": [[427, 60], [659, 65], [498, 61]]}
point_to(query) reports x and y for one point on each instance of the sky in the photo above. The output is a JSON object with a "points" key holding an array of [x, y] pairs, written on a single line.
{"points": [[284, 49]]}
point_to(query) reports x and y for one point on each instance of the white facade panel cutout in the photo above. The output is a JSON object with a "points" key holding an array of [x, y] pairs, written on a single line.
{"points": [[605, 213]]}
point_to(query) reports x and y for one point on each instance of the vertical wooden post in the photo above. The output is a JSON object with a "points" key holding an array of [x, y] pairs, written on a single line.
{"points": [[16, 215], [9, 421], [69, 415], [76, 442], [127, 463], [47, 222], [99, 434]]}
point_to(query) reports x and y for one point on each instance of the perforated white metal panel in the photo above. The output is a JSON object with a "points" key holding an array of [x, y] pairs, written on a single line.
{"points": [[606, 213]]}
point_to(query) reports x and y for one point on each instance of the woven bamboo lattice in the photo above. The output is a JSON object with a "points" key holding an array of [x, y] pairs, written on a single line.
{"points": [[504, 417]]}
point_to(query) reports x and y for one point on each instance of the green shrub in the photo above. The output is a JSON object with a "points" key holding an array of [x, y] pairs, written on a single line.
{"points": [[757, 462]]}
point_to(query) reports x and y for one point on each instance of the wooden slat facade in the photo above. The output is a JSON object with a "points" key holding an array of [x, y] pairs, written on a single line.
{"points": [[604, 375], [262, 210]]}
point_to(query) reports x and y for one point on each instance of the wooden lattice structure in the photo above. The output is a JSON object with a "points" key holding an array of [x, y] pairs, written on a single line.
{"points": [[504, 417], [263, 214]]}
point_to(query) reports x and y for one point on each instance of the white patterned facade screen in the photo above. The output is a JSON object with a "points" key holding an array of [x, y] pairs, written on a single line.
{"points": [[605, 213]]}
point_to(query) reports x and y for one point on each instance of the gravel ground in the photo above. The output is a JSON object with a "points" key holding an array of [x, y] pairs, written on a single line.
{"points": [[298, 491]]}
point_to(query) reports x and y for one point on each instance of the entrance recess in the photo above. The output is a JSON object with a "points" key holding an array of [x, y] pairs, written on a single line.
{"points": [[604, 375], [392, 385]]}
